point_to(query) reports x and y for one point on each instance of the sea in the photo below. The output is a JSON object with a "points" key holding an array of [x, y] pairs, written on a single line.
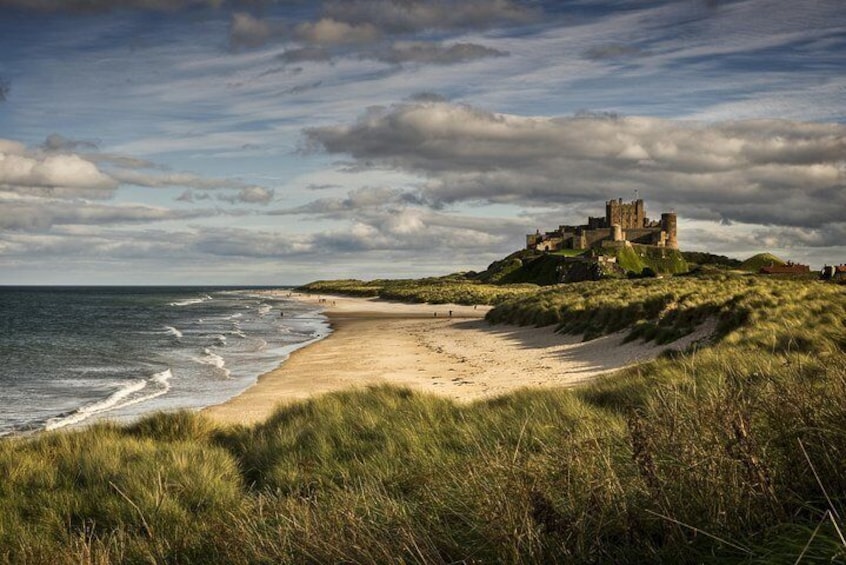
{"points": [[70, 356]]}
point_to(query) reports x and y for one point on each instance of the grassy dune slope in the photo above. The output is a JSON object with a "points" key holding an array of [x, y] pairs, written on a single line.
{"points": [[733, 452]]}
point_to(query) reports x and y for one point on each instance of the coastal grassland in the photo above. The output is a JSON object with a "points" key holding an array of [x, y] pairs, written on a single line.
{"points": [[728, 452], [454, 289]]}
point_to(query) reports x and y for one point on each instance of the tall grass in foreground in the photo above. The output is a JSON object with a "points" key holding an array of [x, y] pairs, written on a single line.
{"points": [[732, 452]]}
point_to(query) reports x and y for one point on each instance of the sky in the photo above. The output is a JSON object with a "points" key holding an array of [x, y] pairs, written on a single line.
{"points": [[271, 142]]}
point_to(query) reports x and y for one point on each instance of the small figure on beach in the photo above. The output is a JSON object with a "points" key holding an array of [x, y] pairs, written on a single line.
{"points": [[281, 314], [450, 313]]}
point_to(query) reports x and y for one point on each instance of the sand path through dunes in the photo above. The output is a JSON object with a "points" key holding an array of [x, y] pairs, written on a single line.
{"points": [[462, 357]]}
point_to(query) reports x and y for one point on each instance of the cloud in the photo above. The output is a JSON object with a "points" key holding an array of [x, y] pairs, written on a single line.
{"points": [[356, 200], [366, 22], [758, 171], [328, 31], [247, 31], [250, 195], [108, 5], [302, 54], [405, 16], [612, 51], [233, 242], [4, 89], [38, 214], [55, 171], [436, 54], [166, 179], [405, 229], [60, 143], [33, 172]]}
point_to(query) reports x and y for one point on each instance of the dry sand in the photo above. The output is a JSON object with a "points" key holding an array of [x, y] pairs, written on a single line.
{"points": [[461, 357]]}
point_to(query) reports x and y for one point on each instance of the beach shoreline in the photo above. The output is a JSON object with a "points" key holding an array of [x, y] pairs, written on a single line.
{"points": [[444, 349]]}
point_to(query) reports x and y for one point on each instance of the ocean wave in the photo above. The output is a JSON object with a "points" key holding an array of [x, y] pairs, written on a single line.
{"points": [[173, 331], [131, 393], [264, 309], [211, 358], [190, 301]]}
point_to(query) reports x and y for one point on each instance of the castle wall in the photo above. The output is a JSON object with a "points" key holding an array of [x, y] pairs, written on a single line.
{"points": [[644, 236]]}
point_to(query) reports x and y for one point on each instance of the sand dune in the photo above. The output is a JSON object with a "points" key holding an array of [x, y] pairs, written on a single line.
{"points": [[423, 346]]}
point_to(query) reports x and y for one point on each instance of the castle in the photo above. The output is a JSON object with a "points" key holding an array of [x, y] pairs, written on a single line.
{"points": [[624, 223]]}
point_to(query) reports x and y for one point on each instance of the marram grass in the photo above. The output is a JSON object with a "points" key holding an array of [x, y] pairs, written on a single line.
{"points": [[731, 452]]}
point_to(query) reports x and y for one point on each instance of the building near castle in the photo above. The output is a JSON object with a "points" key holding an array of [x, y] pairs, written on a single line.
{"points": [[623, 224]]}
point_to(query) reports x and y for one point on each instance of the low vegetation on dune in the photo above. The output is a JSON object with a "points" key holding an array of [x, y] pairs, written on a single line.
{"points": [[454, 289], [756, 262], [732, 451]]}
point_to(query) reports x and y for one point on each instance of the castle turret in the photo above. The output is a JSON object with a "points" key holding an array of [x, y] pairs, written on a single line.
{"points": [[617, 232], [669, 224]]}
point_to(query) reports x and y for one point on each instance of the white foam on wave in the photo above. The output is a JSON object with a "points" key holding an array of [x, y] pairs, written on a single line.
{"points": [[211, 358], [190, 301], [264, 309], [129, 394], [173, 331]]}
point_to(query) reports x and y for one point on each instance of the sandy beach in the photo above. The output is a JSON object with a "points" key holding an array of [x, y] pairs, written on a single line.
{"points": [[422, 347]]}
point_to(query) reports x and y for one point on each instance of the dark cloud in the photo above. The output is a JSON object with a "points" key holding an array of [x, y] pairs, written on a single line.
{"points": [[761, 171], [56, 142], [5, 86], [435, 54], [427, 97]]}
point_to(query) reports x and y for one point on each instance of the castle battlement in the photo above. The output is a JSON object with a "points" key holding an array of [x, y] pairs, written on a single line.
{"points": [[624, 222]]}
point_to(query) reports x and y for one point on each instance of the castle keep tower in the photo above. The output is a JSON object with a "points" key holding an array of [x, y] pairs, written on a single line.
{"points": [[627, 216]]}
